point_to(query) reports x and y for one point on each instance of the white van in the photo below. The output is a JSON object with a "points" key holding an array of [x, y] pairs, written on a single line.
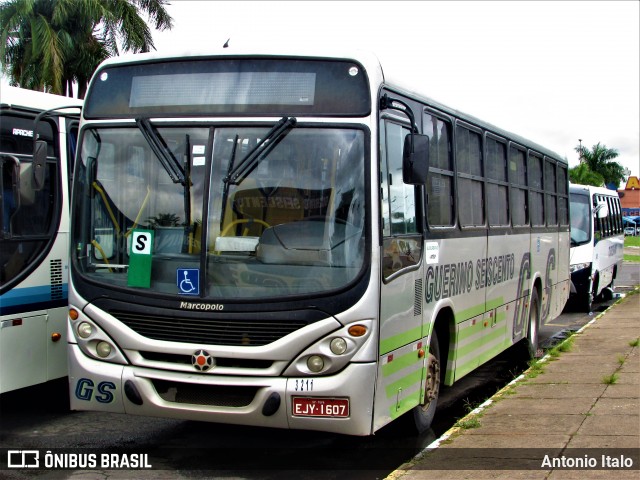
{"points": [[597, 243]]}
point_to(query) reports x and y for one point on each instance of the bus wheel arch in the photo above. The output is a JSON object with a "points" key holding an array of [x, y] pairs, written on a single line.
{"points": [[437, 357], [424, 414]]}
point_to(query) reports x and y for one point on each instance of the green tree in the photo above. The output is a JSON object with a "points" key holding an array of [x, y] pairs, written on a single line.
{"points": [[600, 161], [50, 44], [583, 175]]}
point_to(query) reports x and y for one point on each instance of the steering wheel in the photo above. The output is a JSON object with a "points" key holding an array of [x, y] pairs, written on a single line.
{"points": [[241, 221]]}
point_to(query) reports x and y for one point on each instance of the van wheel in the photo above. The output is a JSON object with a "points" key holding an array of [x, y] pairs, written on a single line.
{"points": [[423, 414], [586, 299]]}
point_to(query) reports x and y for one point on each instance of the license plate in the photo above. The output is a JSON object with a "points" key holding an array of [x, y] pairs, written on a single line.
{"points": [[320, 407]]}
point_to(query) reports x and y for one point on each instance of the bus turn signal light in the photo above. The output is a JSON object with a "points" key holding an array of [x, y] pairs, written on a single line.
{"points": [[73, 314], [357, 330]]}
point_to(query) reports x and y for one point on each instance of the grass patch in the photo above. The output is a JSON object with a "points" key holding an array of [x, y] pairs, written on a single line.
{"points": [[468, 423], [610, 379], [635, 343], [621, 360], [565, 346], [631, 241], [535, 369]]}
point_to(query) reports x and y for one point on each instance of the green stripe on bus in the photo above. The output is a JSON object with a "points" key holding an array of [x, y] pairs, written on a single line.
{"points": [[406, 404], [397, 341], [400, 362], [495, 303], [469, 330], [498, 330], [472, 363], [405, 382], [463, 315]]}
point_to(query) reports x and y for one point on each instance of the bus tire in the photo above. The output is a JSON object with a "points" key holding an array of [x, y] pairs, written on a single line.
{"points": [[423, 414], [531, 341]]}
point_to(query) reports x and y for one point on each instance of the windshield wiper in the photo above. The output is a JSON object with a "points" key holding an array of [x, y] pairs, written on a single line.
{"points": [[162, 152], [237, 174]]}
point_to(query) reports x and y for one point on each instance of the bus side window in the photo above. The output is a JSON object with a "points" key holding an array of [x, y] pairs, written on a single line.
{"points": [[440, 193], [536, 190], [469, 163], [518, 179]]}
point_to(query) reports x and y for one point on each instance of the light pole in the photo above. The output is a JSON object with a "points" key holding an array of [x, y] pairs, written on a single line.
{"points": [[580, 151]]}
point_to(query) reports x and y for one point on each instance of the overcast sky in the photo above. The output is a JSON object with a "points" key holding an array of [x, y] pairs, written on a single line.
{"points": [[553, 72]]}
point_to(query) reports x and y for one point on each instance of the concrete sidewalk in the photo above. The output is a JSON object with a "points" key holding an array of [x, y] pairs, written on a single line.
{"points": [[581, 412]]}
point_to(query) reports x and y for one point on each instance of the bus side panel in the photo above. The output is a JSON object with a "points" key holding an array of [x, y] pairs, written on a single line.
{"points": [[399, 389], [607, 255], [509, 255], [455, 277], [564, 275], [29, 353], [23, 351], [400, 368], [544, 267]]}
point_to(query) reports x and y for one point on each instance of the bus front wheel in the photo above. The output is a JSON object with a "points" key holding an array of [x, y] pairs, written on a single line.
{"points": [[423, 414]]}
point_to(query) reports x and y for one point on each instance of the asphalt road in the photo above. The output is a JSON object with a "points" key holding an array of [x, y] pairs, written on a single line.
{"points": [[184, 449]]}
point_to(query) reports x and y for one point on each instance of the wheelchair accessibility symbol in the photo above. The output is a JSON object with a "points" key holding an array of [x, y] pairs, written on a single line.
{"points": [[189, 281]]}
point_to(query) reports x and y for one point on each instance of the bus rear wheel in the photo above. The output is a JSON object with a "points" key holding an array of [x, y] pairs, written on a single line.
{"points": [[423, 414], [531, 341]]}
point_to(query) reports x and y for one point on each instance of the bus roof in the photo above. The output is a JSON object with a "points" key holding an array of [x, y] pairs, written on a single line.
{"points": [[14, 97], [590, 190], [376, 72]]}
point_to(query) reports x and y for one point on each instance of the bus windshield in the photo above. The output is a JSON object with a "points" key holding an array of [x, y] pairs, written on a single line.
{"points": [[580, 219], [229, 219]]}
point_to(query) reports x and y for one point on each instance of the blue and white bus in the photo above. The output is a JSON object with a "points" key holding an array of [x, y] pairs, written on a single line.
{"points": [[34, 240], [294, 240], [597, 243]]}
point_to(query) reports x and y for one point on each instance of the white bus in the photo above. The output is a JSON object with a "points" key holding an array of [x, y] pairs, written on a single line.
{"points": [[294, 241], [597, 243], [34, 241]]}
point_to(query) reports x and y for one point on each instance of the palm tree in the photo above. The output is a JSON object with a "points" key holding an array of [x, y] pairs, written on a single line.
{"points": [[583, 175], [599, 159], [49, 44]]}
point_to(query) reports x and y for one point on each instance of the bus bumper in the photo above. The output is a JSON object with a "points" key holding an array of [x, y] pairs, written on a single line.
{"points": [[580, 280], [255, 401]]}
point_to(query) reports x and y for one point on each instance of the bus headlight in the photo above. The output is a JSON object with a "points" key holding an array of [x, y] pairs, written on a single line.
{"points": [[338, 345], [85, 330], [315, 363], [333, 352], [92, 340], [103, 349], [576, 267]]}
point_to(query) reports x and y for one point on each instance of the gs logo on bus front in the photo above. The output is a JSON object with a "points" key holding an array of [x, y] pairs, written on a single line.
{"points": [[86, 389]]}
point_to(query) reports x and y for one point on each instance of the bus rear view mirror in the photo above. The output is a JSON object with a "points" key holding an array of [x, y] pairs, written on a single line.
{"points": [[601, 210], [39, 164], [415, 159]]}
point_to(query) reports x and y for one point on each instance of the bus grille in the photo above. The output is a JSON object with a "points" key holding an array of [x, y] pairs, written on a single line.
{"points": [[213, 395], [208, 331], [55, 267]]}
